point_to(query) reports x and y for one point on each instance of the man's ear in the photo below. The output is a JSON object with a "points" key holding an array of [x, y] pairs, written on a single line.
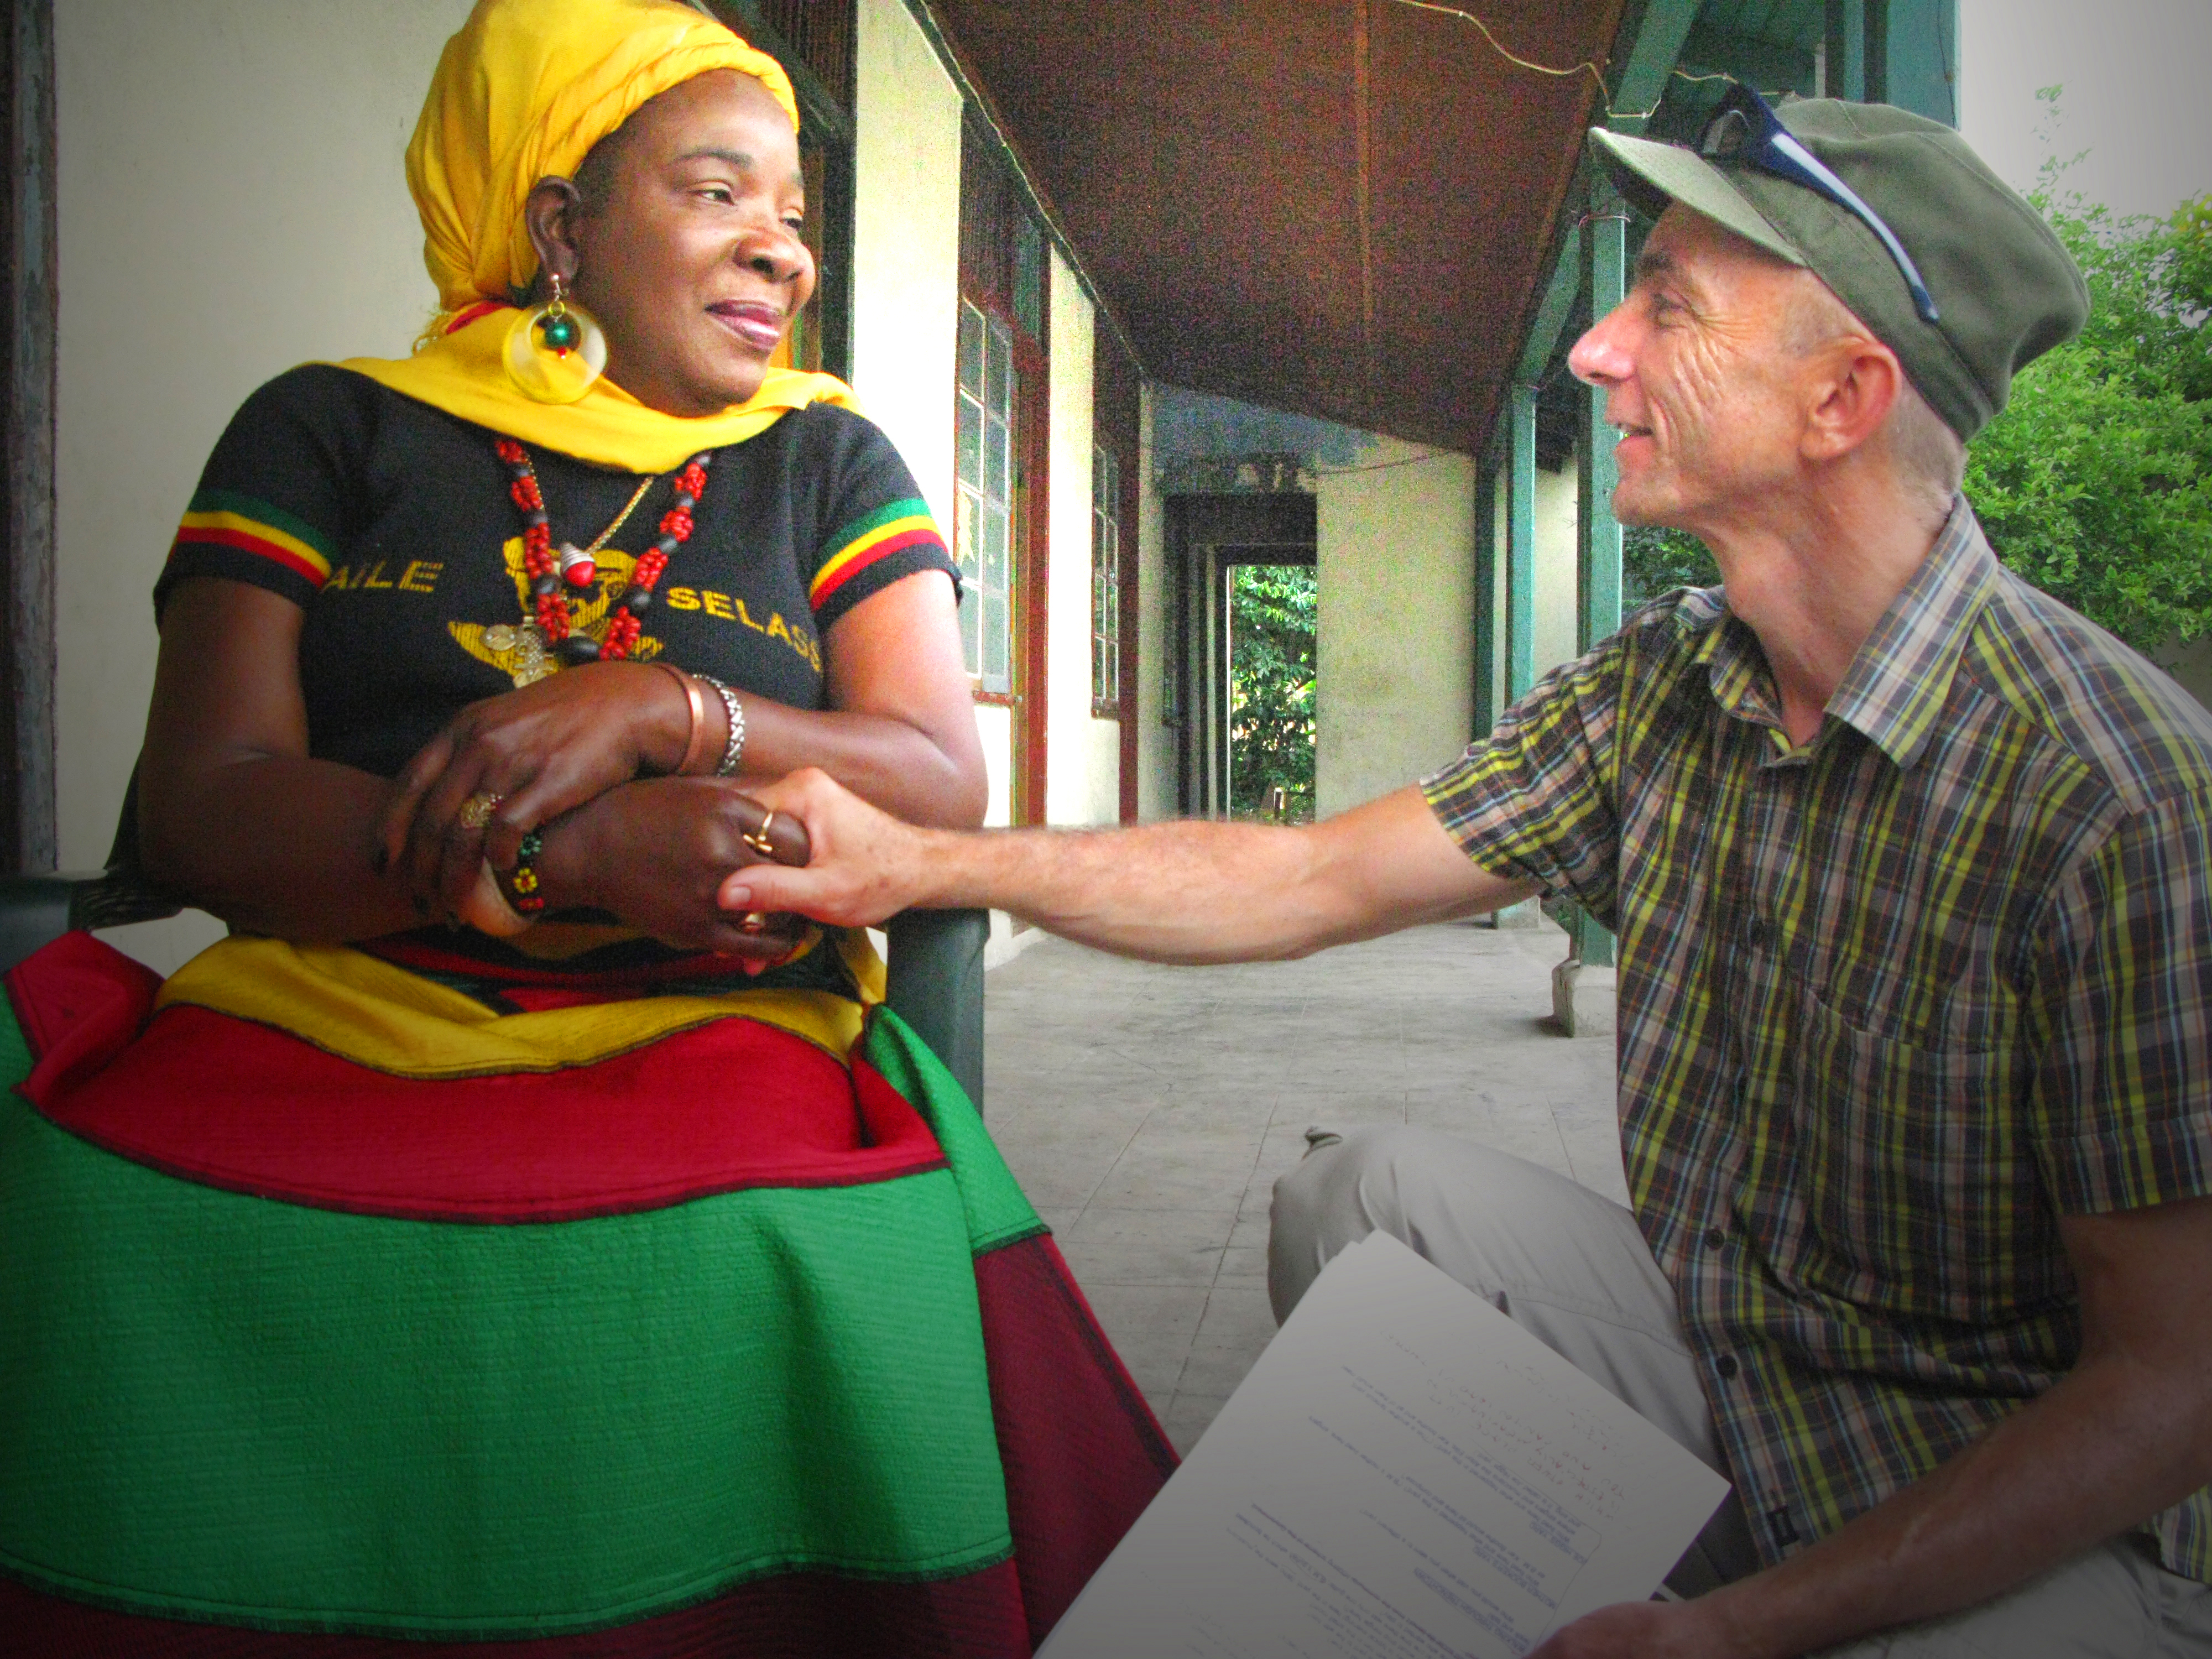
{"points": [[550, 212], [1852, 384]]}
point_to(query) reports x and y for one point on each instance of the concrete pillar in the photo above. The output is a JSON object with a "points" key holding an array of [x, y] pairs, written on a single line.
{"points": [[1487, 620], [1597, 532], [1521, 544]]}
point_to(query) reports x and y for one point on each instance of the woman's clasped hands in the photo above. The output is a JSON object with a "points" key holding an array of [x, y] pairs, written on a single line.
{"points": [[583, 757]]}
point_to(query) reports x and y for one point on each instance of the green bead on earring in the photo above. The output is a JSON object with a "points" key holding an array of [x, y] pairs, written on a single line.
{"points": [[555, 353]]}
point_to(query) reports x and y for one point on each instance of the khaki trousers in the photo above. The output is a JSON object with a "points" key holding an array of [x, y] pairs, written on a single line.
{"points": [[1571, 1268]]}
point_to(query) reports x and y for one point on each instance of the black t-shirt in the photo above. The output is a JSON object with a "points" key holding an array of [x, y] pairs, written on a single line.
{"points": [[390, 524]]}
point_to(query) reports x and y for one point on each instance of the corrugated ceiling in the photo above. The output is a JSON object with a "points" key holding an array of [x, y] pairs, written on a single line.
{"points": [[1340, 207]]}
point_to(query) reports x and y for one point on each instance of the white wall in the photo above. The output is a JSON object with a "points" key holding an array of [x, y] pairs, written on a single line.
{"points": [[906, 245], [1557, 601], [1395, 551], [1490, 606], [1156, 752], [1082, 774], [230, 202]]}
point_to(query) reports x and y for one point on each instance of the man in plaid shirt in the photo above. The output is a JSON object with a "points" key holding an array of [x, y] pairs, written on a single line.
{"points": [[1912, 872]]}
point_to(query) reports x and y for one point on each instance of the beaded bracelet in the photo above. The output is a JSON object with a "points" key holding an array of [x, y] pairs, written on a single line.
{"points": [[507, 923], [521, 883], [736, 710]]}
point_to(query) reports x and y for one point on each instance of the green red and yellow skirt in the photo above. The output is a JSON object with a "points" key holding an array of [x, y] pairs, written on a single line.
{"points": [[342, 1314]]}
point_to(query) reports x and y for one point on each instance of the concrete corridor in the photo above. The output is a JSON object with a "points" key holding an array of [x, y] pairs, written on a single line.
{"points": [[1147, 1111]]}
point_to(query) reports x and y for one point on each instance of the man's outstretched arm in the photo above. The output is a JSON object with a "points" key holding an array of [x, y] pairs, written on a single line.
{"points": [[1170, 892]]}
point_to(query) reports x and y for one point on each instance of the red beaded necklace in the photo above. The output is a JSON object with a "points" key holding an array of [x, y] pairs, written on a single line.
{"points": [[547, 611]]}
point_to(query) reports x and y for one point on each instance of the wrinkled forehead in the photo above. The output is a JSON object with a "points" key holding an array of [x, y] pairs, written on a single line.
{"points": [[1709, 262], [1685, 244]]}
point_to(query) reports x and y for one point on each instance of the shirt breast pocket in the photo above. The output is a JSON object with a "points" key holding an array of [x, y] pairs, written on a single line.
{"points": [[1920, 1191]]}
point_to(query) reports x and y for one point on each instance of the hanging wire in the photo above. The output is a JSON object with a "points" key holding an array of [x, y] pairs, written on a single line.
{"points": [[1380, 466], [1588, 65]]}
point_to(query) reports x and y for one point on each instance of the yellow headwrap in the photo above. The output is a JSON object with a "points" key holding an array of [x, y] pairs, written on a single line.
{"points": [[524, 91]]}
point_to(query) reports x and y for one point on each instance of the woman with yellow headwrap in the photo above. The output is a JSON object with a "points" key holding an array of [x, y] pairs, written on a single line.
{"points": [[492, 1245]]}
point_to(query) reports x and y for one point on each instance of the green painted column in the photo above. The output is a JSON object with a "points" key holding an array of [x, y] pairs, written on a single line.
{"points": [[1597, 532], [1845, 35], [1521, 543], [1912, 56], [1484, 707]]}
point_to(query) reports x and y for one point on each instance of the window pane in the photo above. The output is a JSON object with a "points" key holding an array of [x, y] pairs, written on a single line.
{"points": [[1105, 586], [996, 621], [964, 511], [968, 441], [995, 677], [971, 572], [997, 461], [996, 549], [984, 444], [972, 349]]}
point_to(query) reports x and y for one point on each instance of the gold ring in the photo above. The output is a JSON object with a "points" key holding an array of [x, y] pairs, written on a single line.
{"points": [[753, 921], [759, 839], [477, 810]]}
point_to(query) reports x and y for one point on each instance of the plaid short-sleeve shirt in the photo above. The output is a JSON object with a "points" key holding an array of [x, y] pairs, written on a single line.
{"points": [[1890, 1003]]}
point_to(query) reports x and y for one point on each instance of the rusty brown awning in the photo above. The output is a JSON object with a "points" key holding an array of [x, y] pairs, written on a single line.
{"points": [[1341, 208]]}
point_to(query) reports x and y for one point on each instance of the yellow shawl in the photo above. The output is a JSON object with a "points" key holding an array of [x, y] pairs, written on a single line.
{"points": [[462, 374]]}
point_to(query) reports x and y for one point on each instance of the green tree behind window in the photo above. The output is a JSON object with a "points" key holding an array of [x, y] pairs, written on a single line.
{"points": [[1270, 687]]}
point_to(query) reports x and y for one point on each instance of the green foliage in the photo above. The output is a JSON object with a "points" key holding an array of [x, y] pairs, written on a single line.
{"points": [[1270, 687], [1654, 559], [2095, 482]]}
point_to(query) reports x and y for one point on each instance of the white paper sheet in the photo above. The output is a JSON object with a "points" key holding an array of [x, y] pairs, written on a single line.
{"points": [[1405, 1474]]}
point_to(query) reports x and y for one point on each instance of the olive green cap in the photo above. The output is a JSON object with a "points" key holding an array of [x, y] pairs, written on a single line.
{"points": [[2005, 287]]}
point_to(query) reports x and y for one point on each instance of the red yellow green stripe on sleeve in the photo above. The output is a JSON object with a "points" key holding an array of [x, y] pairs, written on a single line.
{"points": [[891, 529], [224, 518]]}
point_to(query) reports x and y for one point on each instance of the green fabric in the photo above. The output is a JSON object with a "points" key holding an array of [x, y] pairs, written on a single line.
{"points": [[268, 513], [15, 1052], [999, 1213], [227, 1406], [2006, 288]]}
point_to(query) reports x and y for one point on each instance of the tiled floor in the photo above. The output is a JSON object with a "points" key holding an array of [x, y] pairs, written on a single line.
{"points": [[1148, 1110]]}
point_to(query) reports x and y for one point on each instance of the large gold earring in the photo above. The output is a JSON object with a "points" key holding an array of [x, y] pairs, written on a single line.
{"points": [[556, 352]]}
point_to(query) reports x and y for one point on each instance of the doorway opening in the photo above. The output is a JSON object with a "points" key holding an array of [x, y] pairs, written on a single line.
{"points": [[1273, 664], [1212, 541]]}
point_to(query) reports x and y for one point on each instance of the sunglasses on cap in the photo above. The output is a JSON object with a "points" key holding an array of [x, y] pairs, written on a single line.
{"points": [[1745, 131]]}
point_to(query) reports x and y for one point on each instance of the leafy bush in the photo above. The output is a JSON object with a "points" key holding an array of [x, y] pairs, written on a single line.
{"points": [[1270, 688], [2095, 484], [1654, 559]]}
